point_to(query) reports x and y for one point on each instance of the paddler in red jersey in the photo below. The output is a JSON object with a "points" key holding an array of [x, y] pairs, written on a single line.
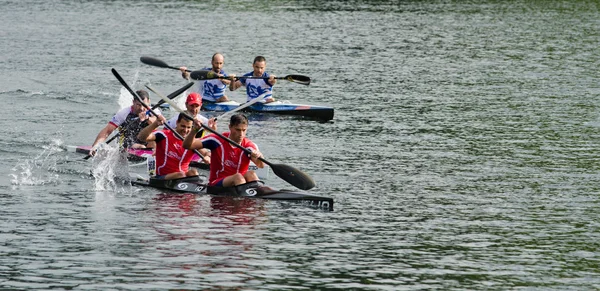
{"points": [[172, 160], [229, 164], [193, 103]]}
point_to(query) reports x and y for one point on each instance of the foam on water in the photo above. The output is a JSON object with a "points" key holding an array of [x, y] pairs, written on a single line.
{"points": [[108, 166], [39, 170]]}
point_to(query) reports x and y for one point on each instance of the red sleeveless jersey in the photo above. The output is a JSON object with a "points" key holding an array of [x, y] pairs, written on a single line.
{"points": [[226, 159], [171, 157]]}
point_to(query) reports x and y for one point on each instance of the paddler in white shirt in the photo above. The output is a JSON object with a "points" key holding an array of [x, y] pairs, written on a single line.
{"points": [[130, 121], [256, 87]]}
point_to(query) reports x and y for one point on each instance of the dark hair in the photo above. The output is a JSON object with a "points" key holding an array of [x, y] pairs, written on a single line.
{"points": [[259, 59], [143, 94], [238, 119], [182, 116]]}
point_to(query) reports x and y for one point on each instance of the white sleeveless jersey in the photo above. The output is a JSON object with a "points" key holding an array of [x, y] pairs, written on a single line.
{"points": [[212, 89], [256, 87], [123, 115]]}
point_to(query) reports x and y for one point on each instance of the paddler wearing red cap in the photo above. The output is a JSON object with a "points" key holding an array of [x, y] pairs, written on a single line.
{"points": [[193, 103]]}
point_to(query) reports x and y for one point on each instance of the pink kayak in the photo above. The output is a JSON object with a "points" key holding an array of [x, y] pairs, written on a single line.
{"points": [[141, 155]]}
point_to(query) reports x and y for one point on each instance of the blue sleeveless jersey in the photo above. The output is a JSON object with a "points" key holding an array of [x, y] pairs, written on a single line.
{"points": [[211, 90], [256, 87]]}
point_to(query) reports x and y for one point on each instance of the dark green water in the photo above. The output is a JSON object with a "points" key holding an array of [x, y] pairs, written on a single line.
{"points": [[462, 156]]}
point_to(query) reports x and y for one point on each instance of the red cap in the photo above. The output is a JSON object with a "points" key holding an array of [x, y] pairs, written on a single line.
{"points": [[194, 98]]}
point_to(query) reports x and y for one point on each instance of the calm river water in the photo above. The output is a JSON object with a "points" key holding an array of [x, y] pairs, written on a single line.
{"points": [[462, 156]]}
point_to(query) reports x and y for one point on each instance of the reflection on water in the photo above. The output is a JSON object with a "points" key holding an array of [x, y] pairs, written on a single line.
{"points": [[224, 212], [212, 234]]}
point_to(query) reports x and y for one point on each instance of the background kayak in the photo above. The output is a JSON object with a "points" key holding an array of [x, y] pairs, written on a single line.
{"points": [[321, 113]]}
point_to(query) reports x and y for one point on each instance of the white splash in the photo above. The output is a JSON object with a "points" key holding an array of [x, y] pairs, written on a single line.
{"points": [[125, 98], [108, 165], [36, 171]]}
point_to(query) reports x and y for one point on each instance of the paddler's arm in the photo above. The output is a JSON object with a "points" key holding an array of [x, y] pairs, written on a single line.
{"points": [[272, 80], [212, 123], [151, 118], [234, 84], [254, 158], [224, 78], [102, 135], [190, 142], [184, 73], [146, 133]]}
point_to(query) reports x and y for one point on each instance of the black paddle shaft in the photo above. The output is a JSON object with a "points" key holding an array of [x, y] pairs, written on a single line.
{"points": [[138, 98], [160, 102], [170, 96], [283, 171], [207, 75]]}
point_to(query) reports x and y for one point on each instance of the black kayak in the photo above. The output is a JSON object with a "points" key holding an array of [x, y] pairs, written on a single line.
{"points": [[257, 189]]}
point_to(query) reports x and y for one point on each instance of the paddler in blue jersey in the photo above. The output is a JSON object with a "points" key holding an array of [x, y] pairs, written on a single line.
{"points": [[130, 121], [212, 90], [256, 87]]}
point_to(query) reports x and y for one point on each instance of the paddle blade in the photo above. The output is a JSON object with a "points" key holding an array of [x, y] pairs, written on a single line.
{"points": [[203, 75], [153, 62], [300, 79], [293, 176]]}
